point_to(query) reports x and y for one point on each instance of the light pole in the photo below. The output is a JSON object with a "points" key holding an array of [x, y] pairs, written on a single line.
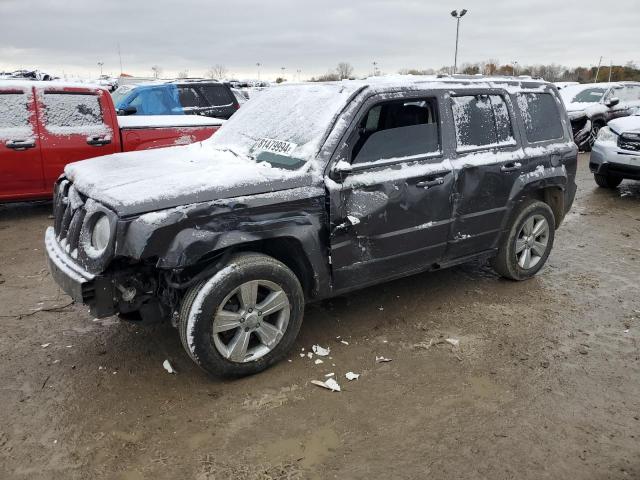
{"points": [[299, 71], [375, 68], [283, 69], [514, 68], [457, 16], [100, 64], [258, 64]]}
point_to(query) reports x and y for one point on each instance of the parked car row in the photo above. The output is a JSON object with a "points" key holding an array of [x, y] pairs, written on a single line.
{"points": [[346, 185], [192, 97], [591, 106], [46, 125]]}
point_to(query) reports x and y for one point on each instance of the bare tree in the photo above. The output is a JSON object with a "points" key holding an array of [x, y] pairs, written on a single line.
{"points": [[184, 73], [218, 72], [157, 71], [344, 70]]}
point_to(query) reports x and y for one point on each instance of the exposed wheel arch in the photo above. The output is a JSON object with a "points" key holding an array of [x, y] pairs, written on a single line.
{"points": [[288, 250]]}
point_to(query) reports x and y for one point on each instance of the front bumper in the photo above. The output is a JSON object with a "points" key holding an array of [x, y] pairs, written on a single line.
{"points": [[81, 285], [608, 159]]}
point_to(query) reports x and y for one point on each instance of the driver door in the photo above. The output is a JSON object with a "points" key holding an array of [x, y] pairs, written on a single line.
{"points": [[390, 193]]}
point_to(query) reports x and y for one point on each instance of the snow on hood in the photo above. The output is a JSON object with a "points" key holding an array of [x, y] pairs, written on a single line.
{"points": [[149, 180], [625, 124]]}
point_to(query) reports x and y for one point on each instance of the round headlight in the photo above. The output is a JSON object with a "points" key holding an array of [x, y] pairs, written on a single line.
{"points": [[100, 233]]}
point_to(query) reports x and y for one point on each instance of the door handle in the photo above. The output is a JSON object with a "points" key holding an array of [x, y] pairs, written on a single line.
{"points": [[430, 183], [98, 141], [20, 144], [511, 166]]}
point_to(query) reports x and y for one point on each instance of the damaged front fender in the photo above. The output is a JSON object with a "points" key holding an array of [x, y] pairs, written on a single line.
{"points": [[185, 236]]}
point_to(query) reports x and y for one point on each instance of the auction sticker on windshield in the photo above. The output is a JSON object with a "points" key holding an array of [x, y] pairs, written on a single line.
{"points": [[279, 147]]}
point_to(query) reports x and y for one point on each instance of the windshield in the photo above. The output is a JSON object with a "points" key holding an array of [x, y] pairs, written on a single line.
{"points": [[284, 125], [582, 95], [120, 93]]}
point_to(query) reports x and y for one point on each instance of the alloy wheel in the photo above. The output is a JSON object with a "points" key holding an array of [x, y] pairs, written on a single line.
{"points": [[251, 321], [532, 241]]}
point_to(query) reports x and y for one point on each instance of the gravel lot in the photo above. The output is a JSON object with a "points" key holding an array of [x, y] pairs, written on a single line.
{"points": [[544, 384]]}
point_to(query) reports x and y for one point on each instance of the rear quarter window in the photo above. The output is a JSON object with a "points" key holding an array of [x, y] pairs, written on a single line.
{"points": [[14, 116], [217, 95], [540, 116], [72, 113], [481, 121]]}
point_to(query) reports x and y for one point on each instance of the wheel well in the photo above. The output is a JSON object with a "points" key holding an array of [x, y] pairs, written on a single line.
{"points": [[552, 196], [287, 250]]}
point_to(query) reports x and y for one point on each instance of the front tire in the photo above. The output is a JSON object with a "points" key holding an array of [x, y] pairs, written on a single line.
{"points": [[244, 318], [607, 181], [528, 243], [593, 135]]}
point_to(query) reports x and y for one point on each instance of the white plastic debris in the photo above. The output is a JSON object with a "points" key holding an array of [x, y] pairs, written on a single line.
{"points": [[302, 355], [382, 359], [353, 220], [344, 342], [352, 376], [453, 341], [320, 351], [381, 308], [318, 361], [329, 374], [167, 366], [626, 331], [310, 355], [329, 384], [45, 345], [69, 346]]}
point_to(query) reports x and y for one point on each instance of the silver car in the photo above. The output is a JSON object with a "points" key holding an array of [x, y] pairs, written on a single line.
{"points": [[616, 152]]}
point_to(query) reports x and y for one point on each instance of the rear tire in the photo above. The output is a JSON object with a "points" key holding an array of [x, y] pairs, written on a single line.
{"points": [[607, 181], [527, 245], [244, 318]]}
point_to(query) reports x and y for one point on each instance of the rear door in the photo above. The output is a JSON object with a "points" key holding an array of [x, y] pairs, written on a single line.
{"points": [[20, 148], [76, 124], [391, 205], [487, 162]]}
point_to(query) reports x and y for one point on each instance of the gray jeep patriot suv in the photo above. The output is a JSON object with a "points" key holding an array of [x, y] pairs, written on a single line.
{"points": [[310, 191]]}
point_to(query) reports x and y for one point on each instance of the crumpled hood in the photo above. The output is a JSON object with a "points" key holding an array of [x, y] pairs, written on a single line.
{"points": [[625, 124], [138, 182]]}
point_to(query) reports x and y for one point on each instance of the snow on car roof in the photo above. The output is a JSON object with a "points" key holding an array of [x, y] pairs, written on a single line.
{"points": [[27, 84]]}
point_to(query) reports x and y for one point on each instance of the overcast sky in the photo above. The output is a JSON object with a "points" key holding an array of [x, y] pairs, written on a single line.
{"points": [[71, 36]]}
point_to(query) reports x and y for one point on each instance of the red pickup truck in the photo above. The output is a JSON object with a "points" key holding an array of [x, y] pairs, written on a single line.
{"points": [[45, 125]]}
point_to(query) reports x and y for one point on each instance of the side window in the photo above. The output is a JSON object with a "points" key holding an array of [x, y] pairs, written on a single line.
{"points": [[67, 113], [190, 98], [617, 92], [14, 116], [397, 129], [481, 121], [216, 96], [541, 116]]}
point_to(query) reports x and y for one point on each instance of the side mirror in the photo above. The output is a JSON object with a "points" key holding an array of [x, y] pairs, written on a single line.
{"points": [[612, 102], [128, 111]]}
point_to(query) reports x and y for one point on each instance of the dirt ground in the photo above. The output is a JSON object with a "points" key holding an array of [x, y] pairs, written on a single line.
{"points": [[544, 384]]}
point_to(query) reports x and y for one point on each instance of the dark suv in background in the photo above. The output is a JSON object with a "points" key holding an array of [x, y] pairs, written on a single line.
{"points": [[183, 97], [308, 192]]}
